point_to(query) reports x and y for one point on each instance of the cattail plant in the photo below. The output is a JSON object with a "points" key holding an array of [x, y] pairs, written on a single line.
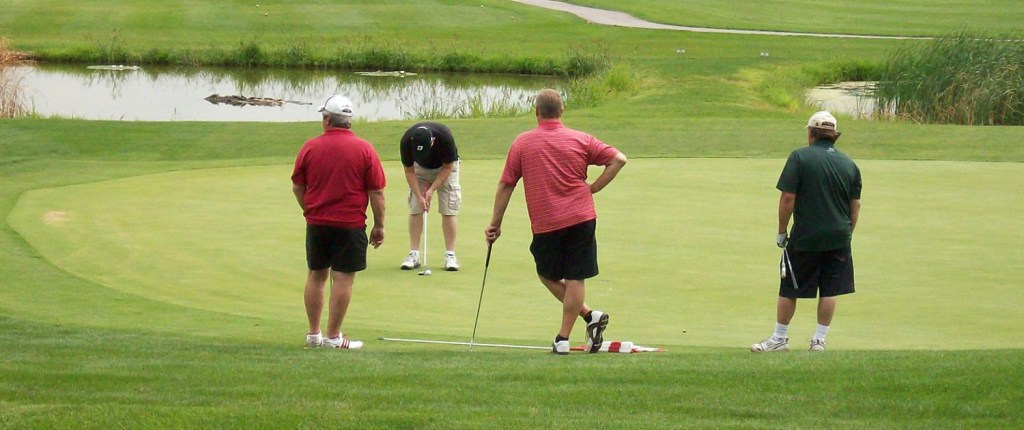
{"points": [[956, 79]]}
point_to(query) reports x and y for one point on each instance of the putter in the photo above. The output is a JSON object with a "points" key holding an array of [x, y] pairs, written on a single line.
{"points": [[425, 271], [487, 263], [792, 273]]}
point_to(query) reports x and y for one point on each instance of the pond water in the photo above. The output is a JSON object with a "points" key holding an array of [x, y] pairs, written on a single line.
{"points": [[856, 99], [169, 94]]}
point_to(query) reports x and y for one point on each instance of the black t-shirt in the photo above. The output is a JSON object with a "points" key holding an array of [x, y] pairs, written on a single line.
{"points": [[824, 181], [443, 151]]}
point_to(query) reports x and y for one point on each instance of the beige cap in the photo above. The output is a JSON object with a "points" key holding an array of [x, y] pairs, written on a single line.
{"points": [[822, 120]]}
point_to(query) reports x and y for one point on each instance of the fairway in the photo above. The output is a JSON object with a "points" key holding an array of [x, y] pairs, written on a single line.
{"points": [[686, 249]]}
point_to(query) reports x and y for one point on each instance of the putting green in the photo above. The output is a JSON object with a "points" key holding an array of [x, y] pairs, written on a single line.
{"points": [[686, 250]]}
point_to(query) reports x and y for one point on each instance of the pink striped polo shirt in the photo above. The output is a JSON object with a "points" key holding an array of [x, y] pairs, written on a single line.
{"points": [[552, 160]]}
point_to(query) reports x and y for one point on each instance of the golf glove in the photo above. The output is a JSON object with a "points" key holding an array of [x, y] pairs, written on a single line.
{"points": [[781, 240]]}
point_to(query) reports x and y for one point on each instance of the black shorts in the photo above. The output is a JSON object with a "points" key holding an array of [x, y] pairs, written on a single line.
{"points": [[830, 272], [341, 249], [569, 253]]}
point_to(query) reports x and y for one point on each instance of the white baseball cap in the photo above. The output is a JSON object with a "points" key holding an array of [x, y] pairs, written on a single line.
{"points": [[338, 105], [822, 120]]}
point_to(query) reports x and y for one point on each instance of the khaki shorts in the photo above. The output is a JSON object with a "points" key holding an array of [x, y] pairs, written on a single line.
{"points": [[449, 196]]}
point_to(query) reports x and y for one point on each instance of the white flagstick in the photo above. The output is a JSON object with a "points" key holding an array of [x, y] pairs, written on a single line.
{"points": [[444, 342]]}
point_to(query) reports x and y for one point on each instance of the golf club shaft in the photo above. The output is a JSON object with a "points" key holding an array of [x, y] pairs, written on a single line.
{"points": [[487, 263], [424, 238], [446, 342], [792, 273]]}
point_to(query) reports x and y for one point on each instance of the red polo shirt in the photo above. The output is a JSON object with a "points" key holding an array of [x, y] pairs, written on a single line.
{"points": [[552, 160], [338, 168]]}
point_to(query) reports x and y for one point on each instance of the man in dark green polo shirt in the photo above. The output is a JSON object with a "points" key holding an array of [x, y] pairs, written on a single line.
{"points": [[821, 191]]}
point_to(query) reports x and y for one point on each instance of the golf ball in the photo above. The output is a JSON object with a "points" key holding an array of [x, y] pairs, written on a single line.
{"points": [[426, 272]]}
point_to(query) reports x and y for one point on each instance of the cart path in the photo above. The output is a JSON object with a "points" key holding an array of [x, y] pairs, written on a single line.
{"points": [[620, 19]]}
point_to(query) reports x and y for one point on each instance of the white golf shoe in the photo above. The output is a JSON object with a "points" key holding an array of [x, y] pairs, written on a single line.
{"points": [[595, 330], [560, 347], [314, 340], [817, 345], [412, 261], [770, 345], [451, 263], [342, 342]]}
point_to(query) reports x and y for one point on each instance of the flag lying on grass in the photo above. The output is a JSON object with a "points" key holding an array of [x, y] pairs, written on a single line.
{"points": [[622, 347]]}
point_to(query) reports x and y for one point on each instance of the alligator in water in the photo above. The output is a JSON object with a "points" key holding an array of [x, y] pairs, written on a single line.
{"points": [[249, 101]]}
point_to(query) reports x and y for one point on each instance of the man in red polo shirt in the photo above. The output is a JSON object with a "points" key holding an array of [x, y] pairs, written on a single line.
{"points": [[336, 175], [552, 161]]}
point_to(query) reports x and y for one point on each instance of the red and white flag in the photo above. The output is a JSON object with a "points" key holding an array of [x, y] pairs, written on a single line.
{"points": [[621, 347]]}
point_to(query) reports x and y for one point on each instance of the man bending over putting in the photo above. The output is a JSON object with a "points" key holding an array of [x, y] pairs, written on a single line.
{"points": [[552, 161], [821, 191], [431, 162]]}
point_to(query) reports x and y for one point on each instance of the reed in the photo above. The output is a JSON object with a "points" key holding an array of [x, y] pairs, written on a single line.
{"points": [[448, 105], [961, 78], [13, 102], [366, 54]]}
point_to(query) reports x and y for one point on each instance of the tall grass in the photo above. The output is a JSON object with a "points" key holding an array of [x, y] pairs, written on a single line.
{"points": [[785, 87], [13, 102], [365, 54], [957, 79], [448, 105], [619, 79]]}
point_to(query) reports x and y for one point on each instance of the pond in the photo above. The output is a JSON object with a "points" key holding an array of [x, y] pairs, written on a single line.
{"points": [[856, 99], [174, 94]]}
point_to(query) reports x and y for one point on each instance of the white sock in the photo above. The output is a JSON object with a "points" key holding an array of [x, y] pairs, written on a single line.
{"points": [[449, 253], [781, 332], [415, 253], [821, 332]]}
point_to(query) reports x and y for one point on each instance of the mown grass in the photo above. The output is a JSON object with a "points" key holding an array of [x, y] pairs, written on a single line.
{"points": [[84, 379], [202, 246], [111, 358], [872, 17], [82, 354], [963, 78]]}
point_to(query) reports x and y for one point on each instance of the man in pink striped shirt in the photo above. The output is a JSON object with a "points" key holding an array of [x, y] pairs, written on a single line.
{"points": [[552, 161]]}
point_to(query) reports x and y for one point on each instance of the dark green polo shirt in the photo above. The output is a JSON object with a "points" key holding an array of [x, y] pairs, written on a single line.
{"points": [[824, 181]]}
